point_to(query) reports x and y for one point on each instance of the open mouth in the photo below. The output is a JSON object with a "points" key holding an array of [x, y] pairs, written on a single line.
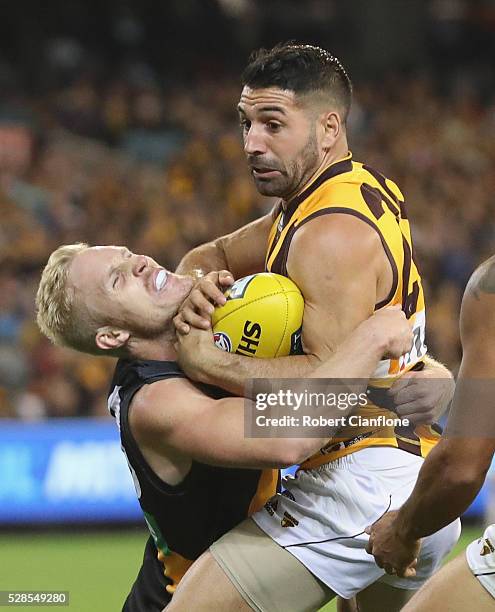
{"points": [[264, 172], [161, 278]]}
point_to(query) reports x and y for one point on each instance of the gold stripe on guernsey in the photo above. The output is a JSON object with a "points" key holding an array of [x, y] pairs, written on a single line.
{"points": [[175, 566], [349, 187], [267, 487]]}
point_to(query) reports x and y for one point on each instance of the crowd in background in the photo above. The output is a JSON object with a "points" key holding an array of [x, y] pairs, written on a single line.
{"points": [[127, 158]]}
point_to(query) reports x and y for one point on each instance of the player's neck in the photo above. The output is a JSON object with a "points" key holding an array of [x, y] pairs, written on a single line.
{"points": [[157, 349], [338, 152]]}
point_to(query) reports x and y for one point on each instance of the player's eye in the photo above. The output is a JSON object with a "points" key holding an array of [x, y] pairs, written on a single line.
{"points": [[245, 124], [274, 126], [115, 281]]}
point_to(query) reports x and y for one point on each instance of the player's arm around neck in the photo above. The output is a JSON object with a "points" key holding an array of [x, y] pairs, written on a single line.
{"points": [[339, 264], [242, 252], [454, 471]]}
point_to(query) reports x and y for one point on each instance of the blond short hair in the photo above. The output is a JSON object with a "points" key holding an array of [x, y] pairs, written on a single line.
{"points": [[59, 317]]}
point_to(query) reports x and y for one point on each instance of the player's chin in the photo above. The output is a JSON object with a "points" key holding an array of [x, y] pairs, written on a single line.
{"points": [[182, 288], [186, 284], [176, 291], [270, 186]]}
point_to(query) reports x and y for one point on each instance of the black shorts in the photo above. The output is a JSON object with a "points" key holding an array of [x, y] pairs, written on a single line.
{"points": [[149, 593]]}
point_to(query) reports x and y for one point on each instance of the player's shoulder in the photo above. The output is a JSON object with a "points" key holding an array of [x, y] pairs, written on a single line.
{"points": [[367, 173], [366, 183], [478, 303], [340, 232], [363, 192], [482, 281], [130, 373]]}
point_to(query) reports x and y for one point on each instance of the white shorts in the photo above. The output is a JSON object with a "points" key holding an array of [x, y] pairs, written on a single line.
{"points": [[321, 516], [480, 556]]}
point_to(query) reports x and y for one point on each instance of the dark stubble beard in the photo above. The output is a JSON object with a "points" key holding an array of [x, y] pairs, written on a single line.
{"points": [[298, 173]]}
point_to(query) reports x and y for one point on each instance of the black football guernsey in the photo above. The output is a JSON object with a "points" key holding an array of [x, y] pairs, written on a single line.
{"points": [[184, 519]]}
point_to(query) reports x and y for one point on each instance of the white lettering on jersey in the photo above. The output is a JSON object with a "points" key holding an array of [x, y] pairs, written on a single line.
{"points": [[114, 404], [114, 408], [135, 480]]}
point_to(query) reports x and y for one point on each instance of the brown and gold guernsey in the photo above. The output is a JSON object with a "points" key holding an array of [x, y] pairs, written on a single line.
{"points": [[352, 188]]}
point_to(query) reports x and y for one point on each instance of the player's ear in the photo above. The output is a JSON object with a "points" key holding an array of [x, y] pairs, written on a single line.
{"points": [[332, 128], [108, 338]]}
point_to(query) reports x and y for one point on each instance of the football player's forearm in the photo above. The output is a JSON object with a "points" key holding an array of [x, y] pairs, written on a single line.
{"points": [[231, 372], [203, 259], [356, 358], [443, 491], [242, 252], [352, 364]]}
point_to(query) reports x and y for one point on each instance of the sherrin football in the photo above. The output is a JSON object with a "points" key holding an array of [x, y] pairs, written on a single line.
{"points": [[261, 318]]}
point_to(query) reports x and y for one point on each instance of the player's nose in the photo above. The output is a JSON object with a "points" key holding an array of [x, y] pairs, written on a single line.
{"points": [[139, 265], [254, 143]]}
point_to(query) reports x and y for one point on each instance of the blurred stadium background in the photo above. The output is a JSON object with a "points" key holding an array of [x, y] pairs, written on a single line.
{"points": [[118, 125]]}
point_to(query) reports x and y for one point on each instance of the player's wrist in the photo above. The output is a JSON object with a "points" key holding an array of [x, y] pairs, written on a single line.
{"points": [[435, 369], [212, 362], [372, 335], [405, 529]]}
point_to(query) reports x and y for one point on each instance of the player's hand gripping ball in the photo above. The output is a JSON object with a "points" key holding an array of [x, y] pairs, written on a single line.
{"points": [[261, 318]]}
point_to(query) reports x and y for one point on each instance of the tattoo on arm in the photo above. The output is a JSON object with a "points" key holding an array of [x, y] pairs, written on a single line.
{"points": [[483, 280]]}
